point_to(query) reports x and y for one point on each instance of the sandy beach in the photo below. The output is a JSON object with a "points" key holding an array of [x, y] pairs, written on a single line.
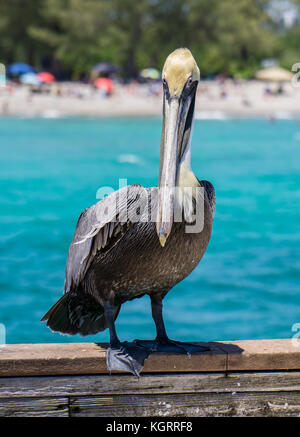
{"points": [[215, 100]]}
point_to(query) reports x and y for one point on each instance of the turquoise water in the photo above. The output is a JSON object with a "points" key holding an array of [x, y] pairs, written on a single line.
{"points": [[246, 286]]}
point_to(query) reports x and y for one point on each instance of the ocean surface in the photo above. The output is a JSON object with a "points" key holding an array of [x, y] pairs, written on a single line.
{"points": [[247, 284]]}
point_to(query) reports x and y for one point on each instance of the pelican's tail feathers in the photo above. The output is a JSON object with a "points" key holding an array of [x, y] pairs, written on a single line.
{"points": [[77, 314]]}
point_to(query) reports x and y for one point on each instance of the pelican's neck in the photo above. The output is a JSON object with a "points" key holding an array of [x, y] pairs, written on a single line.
{"points": [[186, 177], [187, 183]]}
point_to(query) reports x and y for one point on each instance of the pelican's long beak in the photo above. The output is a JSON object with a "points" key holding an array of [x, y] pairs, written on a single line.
{"points": [[178, 110], [169, 166]]}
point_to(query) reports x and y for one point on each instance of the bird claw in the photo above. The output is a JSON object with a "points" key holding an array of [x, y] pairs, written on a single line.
{"points": [[172, 346], [128, 357]]}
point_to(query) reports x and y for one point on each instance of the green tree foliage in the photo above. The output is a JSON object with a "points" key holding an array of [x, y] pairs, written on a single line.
{"points": [[234, 35], [290, 43], [74, 32], [16, 17], [224, 35]]}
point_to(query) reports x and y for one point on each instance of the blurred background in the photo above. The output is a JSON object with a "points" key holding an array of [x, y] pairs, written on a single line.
{"points": [[70, 36], [80, 108]]}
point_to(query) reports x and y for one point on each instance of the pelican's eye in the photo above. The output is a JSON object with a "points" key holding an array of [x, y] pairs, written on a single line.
{"points": [[189, 81], [166, 88], [189, 87]]}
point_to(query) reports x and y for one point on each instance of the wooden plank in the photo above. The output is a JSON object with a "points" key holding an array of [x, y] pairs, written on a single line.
{"points": [[89, 358], [279, 354], [161, 405], [88, 385], [104, 384], [51, 359], [37, 407], [188, 405]]}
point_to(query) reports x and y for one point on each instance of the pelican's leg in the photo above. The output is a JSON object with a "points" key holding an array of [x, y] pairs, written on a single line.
{"points": [[122, 356], [162, 343], [109, 317]]}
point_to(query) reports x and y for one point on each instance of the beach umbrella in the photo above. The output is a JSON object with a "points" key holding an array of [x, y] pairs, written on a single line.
{"points": [[19, 68], [46, 77], [104, 68], [104, 83], [30, 79], [274, 74], [150, 73]]}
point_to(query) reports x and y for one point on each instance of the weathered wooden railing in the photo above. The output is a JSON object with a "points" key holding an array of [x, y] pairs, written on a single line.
{"points": [[239, 378]]}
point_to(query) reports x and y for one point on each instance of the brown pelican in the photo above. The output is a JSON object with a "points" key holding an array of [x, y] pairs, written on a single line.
{"points": [[139, 241]]}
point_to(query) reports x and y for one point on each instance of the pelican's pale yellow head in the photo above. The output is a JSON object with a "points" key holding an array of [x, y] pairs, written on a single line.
{"points": [[180, 77], [180, 66]]}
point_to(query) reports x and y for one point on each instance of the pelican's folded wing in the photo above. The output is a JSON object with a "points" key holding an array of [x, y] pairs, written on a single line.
{"points": [[98, 227], [211, 195]]}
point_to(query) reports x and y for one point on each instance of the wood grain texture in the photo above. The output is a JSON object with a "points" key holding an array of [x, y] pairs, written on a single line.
{"points": [[89, 358], [188, 405], [280, 354], [91, 385], [241, 378], [34, 407]]}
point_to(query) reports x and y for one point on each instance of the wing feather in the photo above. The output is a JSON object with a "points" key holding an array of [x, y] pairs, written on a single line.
{"points": [[97, 228]]}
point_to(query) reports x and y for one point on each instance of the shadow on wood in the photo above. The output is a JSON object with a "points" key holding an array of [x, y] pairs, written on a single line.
{"points": [[216, 356]]}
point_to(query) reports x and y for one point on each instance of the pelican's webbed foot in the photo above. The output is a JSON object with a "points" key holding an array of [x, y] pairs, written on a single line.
{"points": [[129, 357], [171, 346]]}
